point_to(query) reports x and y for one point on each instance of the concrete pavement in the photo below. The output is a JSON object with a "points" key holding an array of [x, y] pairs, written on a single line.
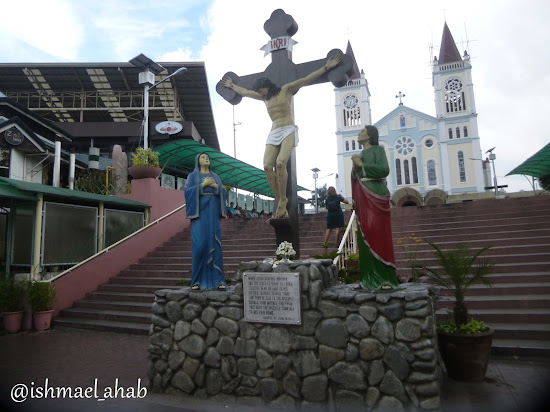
{"points": [[88, 359]]}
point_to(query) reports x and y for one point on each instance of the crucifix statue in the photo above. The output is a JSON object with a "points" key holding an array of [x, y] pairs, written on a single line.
{"points": [[276, 87]]}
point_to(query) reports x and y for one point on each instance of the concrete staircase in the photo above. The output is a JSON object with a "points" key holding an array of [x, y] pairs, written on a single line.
{"points": [[518, 306], [518, 231]]}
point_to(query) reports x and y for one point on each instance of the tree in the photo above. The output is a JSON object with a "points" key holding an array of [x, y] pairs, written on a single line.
{"points": [[544, 182], [322, 193]]}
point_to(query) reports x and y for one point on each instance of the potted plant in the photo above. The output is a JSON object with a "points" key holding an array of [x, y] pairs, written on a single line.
{"points": [[41, 296], [12, 304], [352, 261], [465, 344], [145, 164]]}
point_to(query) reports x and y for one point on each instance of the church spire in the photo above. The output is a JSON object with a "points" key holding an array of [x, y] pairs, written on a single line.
{"points": [[448, 52], [356, 72]]}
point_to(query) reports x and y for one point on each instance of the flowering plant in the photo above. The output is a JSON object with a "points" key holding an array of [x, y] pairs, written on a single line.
{"points": [[285, 250]]}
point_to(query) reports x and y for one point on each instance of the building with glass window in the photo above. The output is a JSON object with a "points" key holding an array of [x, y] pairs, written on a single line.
{"points": [[430, 157]]}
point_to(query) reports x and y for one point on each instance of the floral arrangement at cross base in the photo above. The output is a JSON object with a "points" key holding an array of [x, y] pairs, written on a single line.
{"points": [[285, 252]]}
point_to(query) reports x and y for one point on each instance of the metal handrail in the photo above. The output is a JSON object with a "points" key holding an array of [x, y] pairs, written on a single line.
{"points": [[348, 244]]}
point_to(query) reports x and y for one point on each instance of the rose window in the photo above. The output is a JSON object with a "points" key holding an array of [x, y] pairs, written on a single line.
{"points": [[404, 145]]}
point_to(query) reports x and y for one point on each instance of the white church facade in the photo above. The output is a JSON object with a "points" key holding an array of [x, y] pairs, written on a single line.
{"points": [[430, 158]]}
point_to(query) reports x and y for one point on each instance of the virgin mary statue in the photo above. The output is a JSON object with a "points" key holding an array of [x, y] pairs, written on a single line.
{"points": [[205, 197]]}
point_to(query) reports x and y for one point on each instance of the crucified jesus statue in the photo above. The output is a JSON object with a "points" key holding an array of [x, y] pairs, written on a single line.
{"points": [[282, 137]]}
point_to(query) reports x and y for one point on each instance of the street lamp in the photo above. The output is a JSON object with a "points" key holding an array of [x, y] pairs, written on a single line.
{"points": [[147, 77], [315, 176], [492, 158]]}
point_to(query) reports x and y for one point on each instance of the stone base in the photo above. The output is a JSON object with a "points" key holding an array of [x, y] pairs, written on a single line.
{"points": [[353, 348]]}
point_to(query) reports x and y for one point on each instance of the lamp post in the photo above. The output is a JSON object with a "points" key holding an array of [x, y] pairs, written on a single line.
{"points": [[315, 176], [492, 158], [147, 77]]}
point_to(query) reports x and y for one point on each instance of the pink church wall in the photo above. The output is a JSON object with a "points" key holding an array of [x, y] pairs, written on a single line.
{"points": [[88, 276]]}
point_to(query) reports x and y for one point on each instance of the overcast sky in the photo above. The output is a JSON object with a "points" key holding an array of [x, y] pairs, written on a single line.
{"points": [[392, 41]]}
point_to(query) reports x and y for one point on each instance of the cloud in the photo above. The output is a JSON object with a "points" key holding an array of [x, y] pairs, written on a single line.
{"points": [[32, 22]]}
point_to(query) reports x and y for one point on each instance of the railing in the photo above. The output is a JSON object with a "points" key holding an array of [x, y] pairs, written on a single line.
{"points": [[348, 245], [107, 249]]}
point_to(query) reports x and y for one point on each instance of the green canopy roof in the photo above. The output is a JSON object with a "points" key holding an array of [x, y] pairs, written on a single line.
{"points": [[18, 189], [537, 165], [180, 156]]}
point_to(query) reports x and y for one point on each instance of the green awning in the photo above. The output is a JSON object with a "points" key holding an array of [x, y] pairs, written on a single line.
{"points": [[13, 193], [28, 190], [537, 165], [179, 155]]}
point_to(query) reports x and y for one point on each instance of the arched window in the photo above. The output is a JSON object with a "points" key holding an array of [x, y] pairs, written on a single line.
{"points": [[353, 145], [432, 176], [461, 167], [414, 171], [465, 131], [458, 132], [450, 133], [360, 146], [406, 170], [347, 146], [398, 172]]}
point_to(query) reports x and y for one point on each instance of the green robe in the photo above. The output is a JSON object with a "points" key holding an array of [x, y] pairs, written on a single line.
{"points": [[375, 270]]}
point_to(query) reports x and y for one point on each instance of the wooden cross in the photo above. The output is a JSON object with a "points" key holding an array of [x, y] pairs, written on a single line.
{"points": [[281, 27]]}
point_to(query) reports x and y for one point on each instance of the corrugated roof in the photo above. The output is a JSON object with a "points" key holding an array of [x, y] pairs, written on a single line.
{"points": [[110, 92], [28, 188], [537, 165], [180, 155]]}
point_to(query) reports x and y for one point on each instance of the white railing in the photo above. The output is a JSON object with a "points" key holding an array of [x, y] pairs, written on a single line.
{"points": [[348, 245]]}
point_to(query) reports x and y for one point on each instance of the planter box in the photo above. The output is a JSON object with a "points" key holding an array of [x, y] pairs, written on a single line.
{"points": [[466, 356]]}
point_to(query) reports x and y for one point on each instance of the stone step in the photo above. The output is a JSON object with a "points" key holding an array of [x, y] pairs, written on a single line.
{"points": [[521, 348], [424, 251], [106, 314], [505, 289], [136, 288], [442, 233], [497, 260], [172, 274], [103, 325], [500, 315], [502, 302], [116, 296], [130, 280], [521, 331], [172, 267], [532, 218], [114, 305], [477, 240]]}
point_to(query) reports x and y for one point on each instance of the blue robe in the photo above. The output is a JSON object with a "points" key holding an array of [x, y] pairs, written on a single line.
{"points": [[205, 207]]}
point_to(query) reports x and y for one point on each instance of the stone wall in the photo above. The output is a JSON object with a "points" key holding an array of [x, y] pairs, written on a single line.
{"points": [[353, 348]]}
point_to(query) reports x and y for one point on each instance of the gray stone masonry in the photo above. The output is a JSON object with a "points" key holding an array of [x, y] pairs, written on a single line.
{"points": [[354, 348]]}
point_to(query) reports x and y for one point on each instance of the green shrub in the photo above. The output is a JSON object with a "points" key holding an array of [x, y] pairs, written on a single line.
{"points": [[145, 157], [11, 295], [41, 295]]}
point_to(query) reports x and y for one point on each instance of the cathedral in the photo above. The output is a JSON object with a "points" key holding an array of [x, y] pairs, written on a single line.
{"points": [[430, 158]]}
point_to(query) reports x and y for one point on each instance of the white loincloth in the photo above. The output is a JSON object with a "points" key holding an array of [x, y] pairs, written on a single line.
{"points": [[276, 136]]}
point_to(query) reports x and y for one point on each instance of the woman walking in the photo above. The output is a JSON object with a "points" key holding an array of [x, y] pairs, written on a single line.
{"points": [[335, 216]]}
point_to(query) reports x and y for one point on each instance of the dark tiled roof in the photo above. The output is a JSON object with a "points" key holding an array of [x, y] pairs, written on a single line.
{"points": [[448, 52]]}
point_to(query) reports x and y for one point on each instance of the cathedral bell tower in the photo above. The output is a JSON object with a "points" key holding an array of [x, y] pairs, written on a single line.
{"points": [[353, 113], [457, 118]]}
